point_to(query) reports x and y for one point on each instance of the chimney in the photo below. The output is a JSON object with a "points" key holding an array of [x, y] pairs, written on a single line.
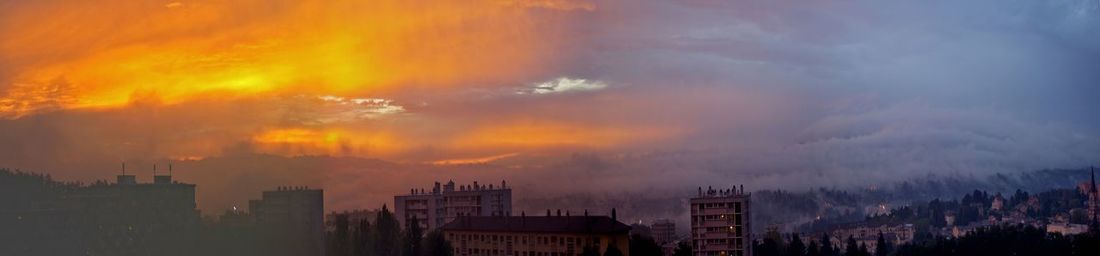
{"points": [[547, 212], [559, 212], [614, 215], [566, 213], [742, 189], [586, 212]]}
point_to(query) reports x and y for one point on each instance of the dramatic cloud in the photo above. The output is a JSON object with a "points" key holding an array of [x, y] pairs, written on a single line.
{"points": [[575, 103]]}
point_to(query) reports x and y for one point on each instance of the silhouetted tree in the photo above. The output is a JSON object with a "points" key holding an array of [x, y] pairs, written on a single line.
{"points": [[882, 248], [827, 246], [364, 239], [767, 247], [387, 234], [682, 249], [644, 246], [339, 240], [437, 245], [796, 247], [612, 250], [852, 249], [413, 235], [590, 251], [813, 249]]}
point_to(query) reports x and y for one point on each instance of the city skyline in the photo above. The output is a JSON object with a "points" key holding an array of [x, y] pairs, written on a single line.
{"points": [[577, 104], [248, 95]]}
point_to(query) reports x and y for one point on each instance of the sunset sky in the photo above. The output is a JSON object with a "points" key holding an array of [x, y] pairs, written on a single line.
{"points": [[609, 99]]}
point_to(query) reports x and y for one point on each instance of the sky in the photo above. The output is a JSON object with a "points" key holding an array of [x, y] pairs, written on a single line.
{"points": [[610, 101]]}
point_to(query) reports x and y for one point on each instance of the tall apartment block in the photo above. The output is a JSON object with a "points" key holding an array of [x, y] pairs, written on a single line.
{"points": [[720, 222], [293, 217], [432, 209]]}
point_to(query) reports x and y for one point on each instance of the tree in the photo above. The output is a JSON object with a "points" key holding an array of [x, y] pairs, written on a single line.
{"points": [[592, 250], [387, 234], [613, 250], [682, 249], [936, 219], [852, 249], [827, 246], [796, 248], [437, 245], [411, 243], [364, 239], [339, 240], [768, 247], [813, 249], [644, 246], [882, 248]]}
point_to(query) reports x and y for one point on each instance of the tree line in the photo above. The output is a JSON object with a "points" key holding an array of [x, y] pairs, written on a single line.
{"points": [[383, 238]]}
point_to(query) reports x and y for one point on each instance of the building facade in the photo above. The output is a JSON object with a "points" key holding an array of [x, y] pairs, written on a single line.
{"points": [[720, 222], [293, 217], [445, 202], [664, 231], [536, 236]]}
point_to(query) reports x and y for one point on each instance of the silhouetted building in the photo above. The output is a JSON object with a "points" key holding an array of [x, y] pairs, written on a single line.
{"points": [[720, 222], [535, 236], [123, 218], [664, 231], [444, 203], [292, 217]]}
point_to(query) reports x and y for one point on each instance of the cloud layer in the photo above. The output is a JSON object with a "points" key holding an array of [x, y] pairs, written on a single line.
{"points": [[639, 98]]}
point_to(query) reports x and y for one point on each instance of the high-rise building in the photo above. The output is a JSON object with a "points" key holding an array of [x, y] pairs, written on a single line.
{"points": [[533, 236], [664, 231], [432, 209], [720, 222], [293, 217]]}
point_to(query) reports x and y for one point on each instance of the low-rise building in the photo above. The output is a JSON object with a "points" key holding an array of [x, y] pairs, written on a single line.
{"points": [[535, 236], [1067, 229], [899, 234]]}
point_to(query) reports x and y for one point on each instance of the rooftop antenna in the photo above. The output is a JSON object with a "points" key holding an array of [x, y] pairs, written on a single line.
{"points": [[123, 168], [169, 168], [154, 169]]}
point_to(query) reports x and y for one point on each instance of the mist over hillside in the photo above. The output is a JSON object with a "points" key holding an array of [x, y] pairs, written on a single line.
{"points": [[792, 207]]}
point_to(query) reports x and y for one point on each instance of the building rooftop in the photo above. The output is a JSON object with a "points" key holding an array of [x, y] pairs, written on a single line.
{"points": [[538, 224]]}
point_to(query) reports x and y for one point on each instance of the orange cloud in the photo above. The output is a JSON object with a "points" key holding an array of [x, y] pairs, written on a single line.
{"points": [[108, 52], [530, 134], [336, 142]]}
